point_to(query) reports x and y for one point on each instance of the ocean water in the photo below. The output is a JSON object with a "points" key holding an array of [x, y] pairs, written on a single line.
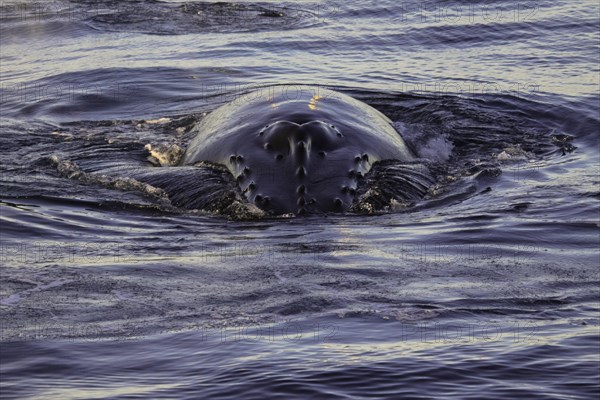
{"points": [[488, 288]]}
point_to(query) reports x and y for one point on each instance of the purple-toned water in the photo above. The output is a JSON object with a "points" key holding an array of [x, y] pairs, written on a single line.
{"points": [[488, 288]]}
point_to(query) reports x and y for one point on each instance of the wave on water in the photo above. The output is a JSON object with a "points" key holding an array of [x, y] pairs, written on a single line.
{"points": [[161, 18], [124, 275], [456, 138]]}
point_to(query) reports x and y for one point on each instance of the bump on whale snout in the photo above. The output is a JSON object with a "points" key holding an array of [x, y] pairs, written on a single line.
{"points": [[290, 138]]}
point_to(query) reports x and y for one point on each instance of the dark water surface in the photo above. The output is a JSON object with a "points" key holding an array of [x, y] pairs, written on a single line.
{"points": [[488, 288]]}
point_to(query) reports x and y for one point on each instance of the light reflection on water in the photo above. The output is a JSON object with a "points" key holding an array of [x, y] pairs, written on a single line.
{"points": [[489, 289]]}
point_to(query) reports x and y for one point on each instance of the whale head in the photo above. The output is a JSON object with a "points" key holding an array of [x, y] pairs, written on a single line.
{"points": [[305, 153]]}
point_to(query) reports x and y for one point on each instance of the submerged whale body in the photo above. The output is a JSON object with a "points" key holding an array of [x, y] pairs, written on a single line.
{"points": [[297, 149]]}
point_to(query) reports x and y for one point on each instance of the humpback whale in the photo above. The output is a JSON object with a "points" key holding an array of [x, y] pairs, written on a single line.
{"points": [[297, 149]]}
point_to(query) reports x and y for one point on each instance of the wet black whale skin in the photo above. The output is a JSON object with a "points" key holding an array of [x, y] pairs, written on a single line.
{"points": [[297, 150]]}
